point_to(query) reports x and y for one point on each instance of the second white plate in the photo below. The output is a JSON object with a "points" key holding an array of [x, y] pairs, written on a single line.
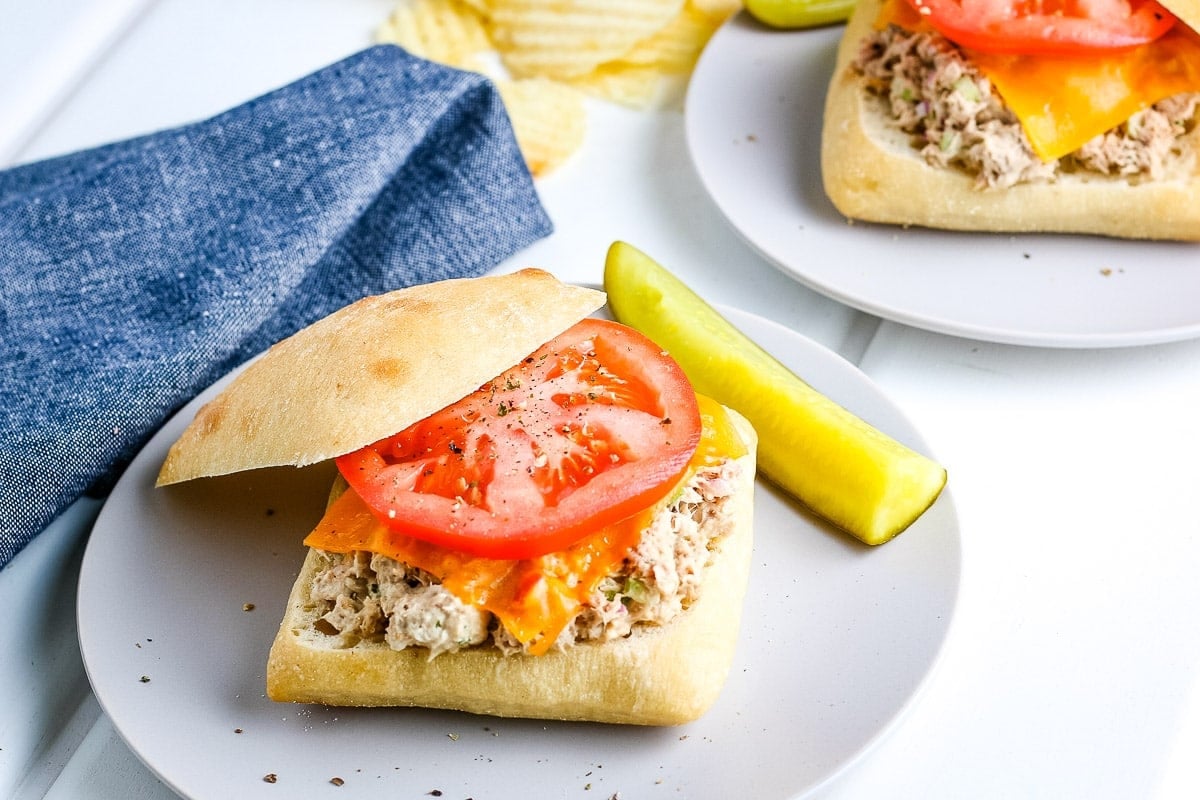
{"points": [[182, 589], [754, 112]]}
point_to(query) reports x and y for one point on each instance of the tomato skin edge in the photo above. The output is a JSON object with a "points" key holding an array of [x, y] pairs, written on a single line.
{"points": [[607, 497], [533, 543], [1043, 34]]}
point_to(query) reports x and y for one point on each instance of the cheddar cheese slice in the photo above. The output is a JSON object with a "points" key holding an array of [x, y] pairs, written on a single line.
{"points": [[533, 598], [1063, 102]]}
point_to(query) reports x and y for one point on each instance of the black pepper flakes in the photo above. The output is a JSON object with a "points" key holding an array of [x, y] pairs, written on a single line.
{"points": [[144, 679]]}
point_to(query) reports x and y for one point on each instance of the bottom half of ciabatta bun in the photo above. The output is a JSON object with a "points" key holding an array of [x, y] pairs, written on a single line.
{"points": [[873, 172], [659, 674]]}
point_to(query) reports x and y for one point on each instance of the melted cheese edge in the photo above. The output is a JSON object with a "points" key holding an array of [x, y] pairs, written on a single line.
{"points": [[1064, 102], [533, 598]]}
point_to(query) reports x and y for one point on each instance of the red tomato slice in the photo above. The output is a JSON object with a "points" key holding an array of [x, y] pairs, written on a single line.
{"points": [[594, 426], [1046, 27]]}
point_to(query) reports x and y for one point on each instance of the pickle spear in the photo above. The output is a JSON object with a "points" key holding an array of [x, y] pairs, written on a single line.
{"points": [[842, 468], [791, 14]]}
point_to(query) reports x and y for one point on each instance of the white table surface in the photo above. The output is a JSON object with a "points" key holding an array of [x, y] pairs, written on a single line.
{"points": [[1073, 665]]}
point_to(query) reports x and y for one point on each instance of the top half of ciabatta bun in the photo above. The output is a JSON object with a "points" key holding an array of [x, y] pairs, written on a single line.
{"points": [[373, 368], [1115, 185]]}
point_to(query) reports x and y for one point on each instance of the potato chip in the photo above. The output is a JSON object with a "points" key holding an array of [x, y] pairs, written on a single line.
{"points": [[560, 39], [447, 31], [634, 85], [548, 118], [717, 10], [545, 55], [653, 73], [675, 47]]}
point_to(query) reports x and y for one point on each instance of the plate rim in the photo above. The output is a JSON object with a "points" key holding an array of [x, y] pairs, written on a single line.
{"points": [[698, 146], [813, 349]]}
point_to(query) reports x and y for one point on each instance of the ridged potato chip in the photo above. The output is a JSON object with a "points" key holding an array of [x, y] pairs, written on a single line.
{"points": [[548, 119], [653, 74], [447, 31], [561, 39], [676, 46], [633, 85], [545, 55], [717, 10]]}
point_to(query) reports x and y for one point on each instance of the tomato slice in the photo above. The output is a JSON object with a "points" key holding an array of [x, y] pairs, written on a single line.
{"points": [[592, 427], [1046, 27]]}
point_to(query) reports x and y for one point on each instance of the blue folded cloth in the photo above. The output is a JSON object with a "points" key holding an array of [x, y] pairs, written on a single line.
{"points": [[135, 274]]}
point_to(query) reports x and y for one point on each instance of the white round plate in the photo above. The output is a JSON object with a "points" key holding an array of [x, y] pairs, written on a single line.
{"points": [[754, 111], [837, 640]]}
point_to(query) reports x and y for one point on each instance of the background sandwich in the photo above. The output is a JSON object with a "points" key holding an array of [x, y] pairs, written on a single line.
{"points": [[1007, 116], [536, 515]]}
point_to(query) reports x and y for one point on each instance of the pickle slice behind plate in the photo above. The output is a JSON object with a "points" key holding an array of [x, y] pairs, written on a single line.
{"points": [[844, 469], [790, 14]]}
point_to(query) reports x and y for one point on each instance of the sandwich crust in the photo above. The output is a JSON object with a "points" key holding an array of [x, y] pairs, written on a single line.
{"points": [[659, 675], [374, 368], [872, 172], [1186, 10]]}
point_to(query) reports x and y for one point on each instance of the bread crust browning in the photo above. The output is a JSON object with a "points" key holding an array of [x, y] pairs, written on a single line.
{"points": [[1186, 10], [659, 675], [872, 173], [373, 368]]}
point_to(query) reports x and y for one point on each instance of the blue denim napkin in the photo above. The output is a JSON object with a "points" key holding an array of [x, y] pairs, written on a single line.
{"points": [[135, 274]]}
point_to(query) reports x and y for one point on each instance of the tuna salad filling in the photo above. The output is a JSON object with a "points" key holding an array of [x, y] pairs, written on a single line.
{"points": [[369, 596], [957, 119]]}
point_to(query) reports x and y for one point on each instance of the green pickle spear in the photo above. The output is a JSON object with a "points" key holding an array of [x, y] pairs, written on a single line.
{"points": [[799, 13], [842, 468]]}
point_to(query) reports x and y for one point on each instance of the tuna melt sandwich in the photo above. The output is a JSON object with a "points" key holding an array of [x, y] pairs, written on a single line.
{"points": [[534, 515], [1018, 115]]}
